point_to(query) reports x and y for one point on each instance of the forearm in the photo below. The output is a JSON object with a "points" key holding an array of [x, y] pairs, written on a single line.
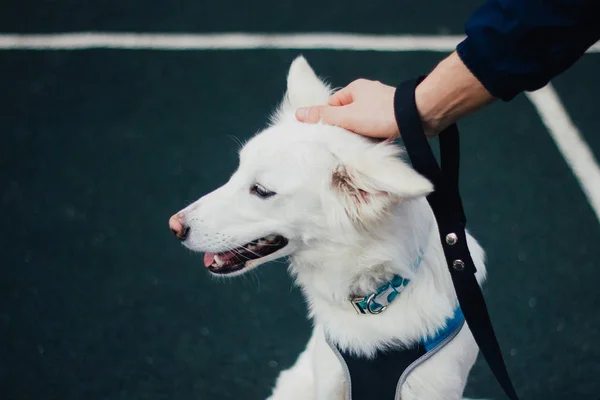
{"points": [[511, 46], [449, 93]]}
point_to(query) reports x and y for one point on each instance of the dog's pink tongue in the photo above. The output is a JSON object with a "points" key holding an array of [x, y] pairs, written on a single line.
{"points": [[209, 258]]}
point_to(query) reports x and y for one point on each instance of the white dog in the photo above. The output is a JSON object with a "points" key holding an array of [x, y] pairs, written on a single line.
{"points": [[351, 215]]}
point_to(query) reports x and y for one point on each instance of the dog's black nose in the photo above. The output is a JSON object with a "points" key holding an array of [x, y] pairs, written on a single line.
{"points": [[178, 227]]}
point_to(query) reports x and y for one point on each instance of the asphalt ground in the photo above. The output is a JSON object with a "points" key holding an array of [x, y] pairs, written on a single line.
{"points": [[99, 147]]}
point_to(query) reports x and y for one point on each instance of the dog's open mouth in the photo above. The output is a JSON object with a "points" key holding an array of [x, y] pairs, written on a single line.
{"points": [[236, 259]]}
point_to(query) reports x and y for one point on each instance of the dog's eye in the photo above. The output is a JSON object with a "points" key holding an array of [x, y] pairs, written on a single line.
{"points": [[260, 191]]}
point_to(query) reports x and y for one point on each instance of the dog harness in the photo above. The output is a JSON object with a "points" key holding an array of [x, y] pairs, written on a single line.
{"points": [[382, 377]]}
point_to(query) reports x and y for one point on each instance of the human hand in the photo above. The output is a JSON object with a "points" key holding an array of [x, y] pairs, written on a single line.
{"points": [[449, 92], [365, 107]]}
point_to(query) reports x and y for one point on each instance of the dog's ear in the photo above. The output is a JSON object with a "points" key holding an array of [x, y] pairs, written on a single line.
{"points": [[304, 88], [370, 182]]}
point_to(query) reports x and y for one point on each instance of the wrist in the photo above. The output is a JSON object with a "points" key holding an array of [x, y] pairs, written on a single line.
{"points": [[432, 117], [448, 93]]}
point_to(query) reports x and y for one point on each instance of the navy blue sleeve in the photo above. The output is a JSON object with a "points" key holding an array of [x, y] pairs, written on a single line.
{"points": [[519, 45]]}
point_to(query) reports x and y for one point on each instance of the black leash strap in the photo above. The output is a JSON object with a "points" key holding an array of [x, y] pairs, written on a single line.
{"points": [[447, 207]]}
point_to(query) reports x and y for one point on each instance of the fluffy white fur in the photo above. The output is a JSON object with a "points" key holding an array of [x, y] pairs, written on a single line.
{"points": [[355, 214]]}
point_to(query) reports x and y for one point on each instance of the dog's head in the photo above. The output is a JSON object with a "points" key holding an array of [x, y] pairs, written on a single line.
{"points": [[297, 185]]}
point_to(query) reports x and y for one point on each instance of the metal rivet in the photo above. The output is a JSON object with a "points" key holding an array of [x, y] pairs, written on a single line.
{"points": [[458, 265], [451, 239]]}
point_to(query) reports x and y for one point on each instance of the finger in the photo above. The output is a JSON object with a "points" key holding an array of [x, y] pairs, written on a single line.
{"points": [[310, 115], [340, 116], [342, 97]]}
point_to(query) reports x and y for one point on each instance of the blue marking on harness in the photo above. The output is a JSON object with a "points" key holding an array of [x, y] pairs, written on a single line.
{"points": [[452, 325]]}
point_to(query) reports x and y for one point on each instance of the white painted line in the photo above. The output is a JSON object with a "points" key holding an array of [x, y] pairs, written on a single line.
{"points": [[232, 41], [228, 41], [570, 143]]}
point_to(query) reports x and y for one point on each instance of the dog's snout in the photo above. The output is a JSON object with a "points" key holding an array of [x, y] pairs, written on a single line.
{"points": [[178, 227]]}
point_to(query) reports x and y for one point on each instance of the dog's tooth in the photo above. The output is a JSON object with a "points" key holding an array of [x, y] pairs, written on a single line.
{"points": [[219, 261], [262, 241]]}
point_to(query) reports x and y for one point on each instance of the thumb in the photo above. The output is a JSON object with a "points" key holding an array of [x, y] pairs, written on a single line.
{"points": [[332, 115]]}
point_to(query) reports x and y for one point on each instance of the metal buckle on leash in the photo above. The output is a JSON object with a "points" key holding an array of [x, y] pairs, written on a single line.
{"points": [[357, 304]]}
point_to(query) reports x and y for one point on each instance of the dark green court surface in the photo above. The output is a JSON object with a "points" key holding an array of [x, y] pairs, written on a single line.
{"points": [[376, 16], [98, 148]]}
